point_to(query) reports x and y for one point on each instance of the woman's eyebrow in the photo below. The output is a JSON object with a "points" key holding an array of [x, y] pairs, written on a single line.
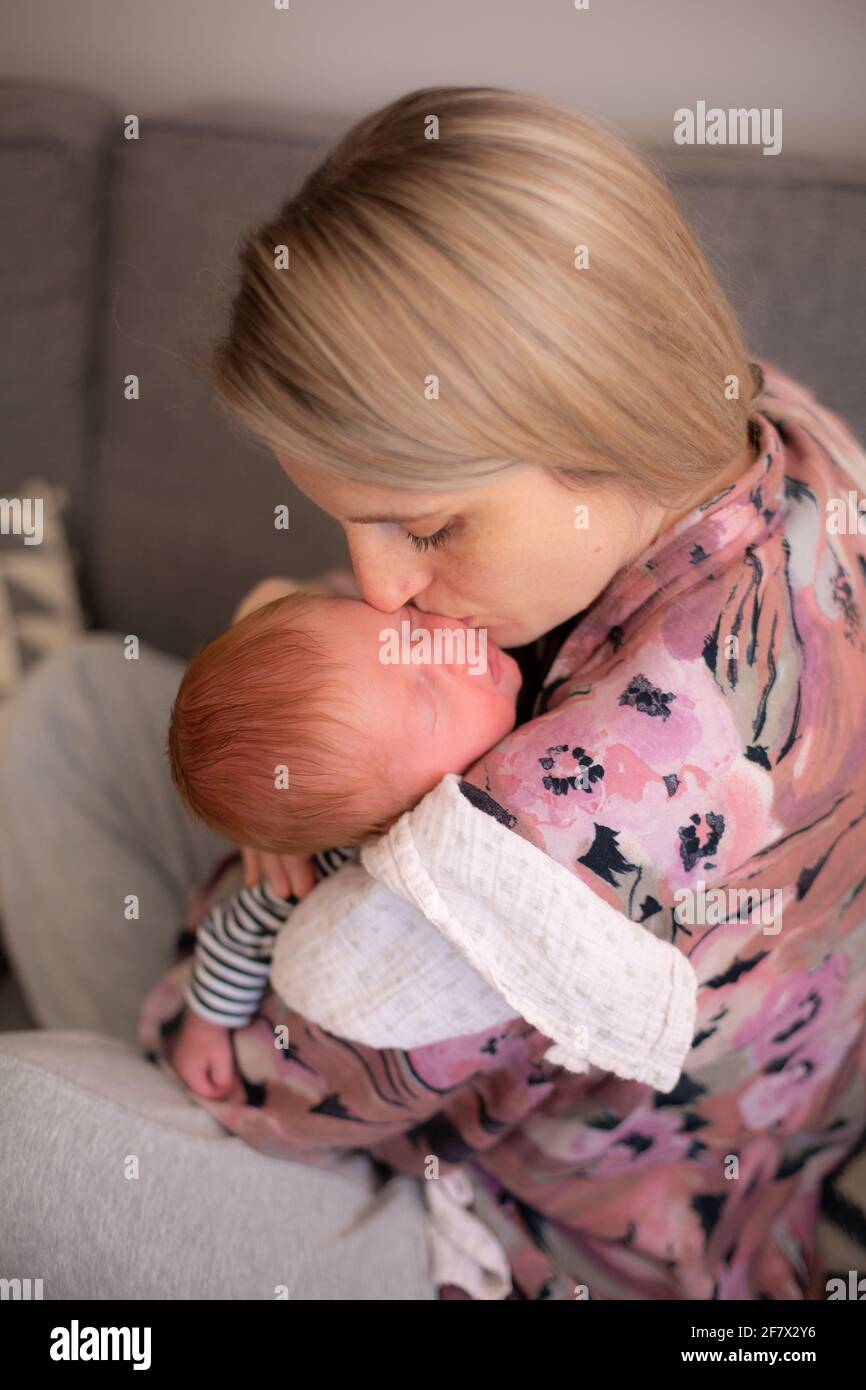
{"points": [[398, 520]]}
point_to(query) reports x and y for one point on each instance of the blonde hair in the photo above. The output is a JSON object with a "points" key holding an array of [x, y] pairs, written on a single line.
{"points": [[268, 694], [411, 258]]}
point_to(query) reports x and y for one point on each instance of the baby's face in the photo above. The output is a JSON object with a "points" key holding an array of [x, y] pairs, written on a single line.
{"points": [[431, 693]]}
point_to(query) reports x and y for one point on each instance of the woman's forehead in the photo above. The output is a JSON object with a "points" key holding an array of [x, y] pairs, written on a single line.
{"points": [[351, 500]]}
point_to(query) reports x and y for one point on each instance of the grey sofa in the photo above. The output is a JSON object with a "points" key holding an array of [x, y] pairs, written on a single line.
{"points": [[117, 257]]}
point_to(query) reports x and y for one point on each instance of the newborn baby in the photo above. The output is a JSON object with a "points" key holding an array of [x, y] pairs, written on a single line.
{"points": [[314, 722]]}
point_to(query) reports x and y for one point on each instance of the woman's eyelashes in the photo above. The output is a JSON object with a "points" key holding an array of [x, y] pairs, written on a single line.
{"points": [[438, 538]]}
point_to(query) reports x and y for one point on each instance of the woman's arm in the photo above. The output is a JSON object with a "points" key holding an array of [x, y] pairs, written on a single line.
{"points": [[453, 923], [571, 963]]}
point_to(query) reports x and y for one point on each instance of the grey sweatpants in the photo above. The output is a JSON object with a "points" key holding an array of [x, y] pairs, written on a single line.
{"points": [[113, 1183]]}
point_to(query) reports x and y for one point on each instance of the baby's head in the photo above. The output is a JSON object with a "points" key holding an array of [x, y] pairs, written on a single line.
{"points": [[317, 721]]}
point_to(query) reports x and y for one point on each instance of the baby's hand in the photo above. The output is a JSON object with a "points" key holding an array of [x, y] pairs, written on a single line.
{"points": [[285, 873], [203, 1059]]}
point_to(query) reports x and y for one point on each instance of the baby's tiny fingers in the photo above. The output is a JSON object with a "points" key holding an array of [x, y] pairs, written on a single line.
{"points": [[304, 878], [222, 1074], [252, 867], [275, 873]]}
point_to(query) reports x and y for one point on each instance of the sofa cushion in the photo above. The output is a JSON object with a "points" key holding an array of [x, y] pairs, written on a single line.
{"points": [[184, 522], [785, 238], [52, 186]]}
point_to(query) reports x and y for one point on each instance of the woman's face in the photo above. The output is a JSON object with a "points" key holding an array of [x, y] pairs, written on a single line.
{"points": [[516, 556]]}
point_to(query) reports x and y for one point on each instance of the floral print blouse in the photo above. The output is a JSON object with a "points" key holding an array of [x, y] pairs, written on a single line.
{"points": [[697, 757]]}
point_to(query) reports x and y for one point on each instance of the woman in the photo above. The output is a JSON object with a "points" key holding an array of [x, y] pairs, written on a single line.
{"points": [[482, 337]]}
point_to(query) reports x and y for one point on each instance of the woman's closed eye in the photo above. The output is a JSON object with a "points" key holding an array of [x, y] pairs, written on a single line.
{"points": [[438, 538]]}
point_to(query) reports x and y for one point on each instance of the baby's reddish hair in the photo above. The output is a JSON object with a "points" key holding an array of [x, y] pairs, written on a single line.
{"points": [[268, 698]]}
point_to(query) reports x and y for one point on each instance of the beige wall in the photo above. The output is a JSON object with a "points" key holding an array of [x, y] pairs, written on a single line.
{"points": [[324, 62]]}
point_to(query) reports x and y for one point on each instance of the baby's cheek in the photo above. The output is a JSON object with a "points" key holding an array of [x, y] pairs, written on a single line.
{"points": [[504, 718], [491, 718]]}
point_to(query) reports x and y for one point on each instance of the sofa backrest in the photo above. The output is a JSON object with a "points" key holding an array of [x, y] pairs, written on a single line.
{"points": [[119, 259]]}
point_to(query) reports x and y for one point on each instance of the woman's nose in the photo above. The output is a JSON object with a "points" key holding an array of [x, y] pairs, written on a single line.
{"points": [[386, 576]]}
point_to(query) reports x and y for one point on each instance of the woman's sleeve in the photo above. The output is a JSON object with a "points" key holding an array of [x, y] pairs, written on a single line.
{"points": [[636, 785]]}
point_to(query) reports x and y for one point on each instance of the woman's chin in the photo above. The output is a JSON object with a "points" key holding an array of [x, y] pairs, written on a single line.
{"points": [[507, 635]]}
